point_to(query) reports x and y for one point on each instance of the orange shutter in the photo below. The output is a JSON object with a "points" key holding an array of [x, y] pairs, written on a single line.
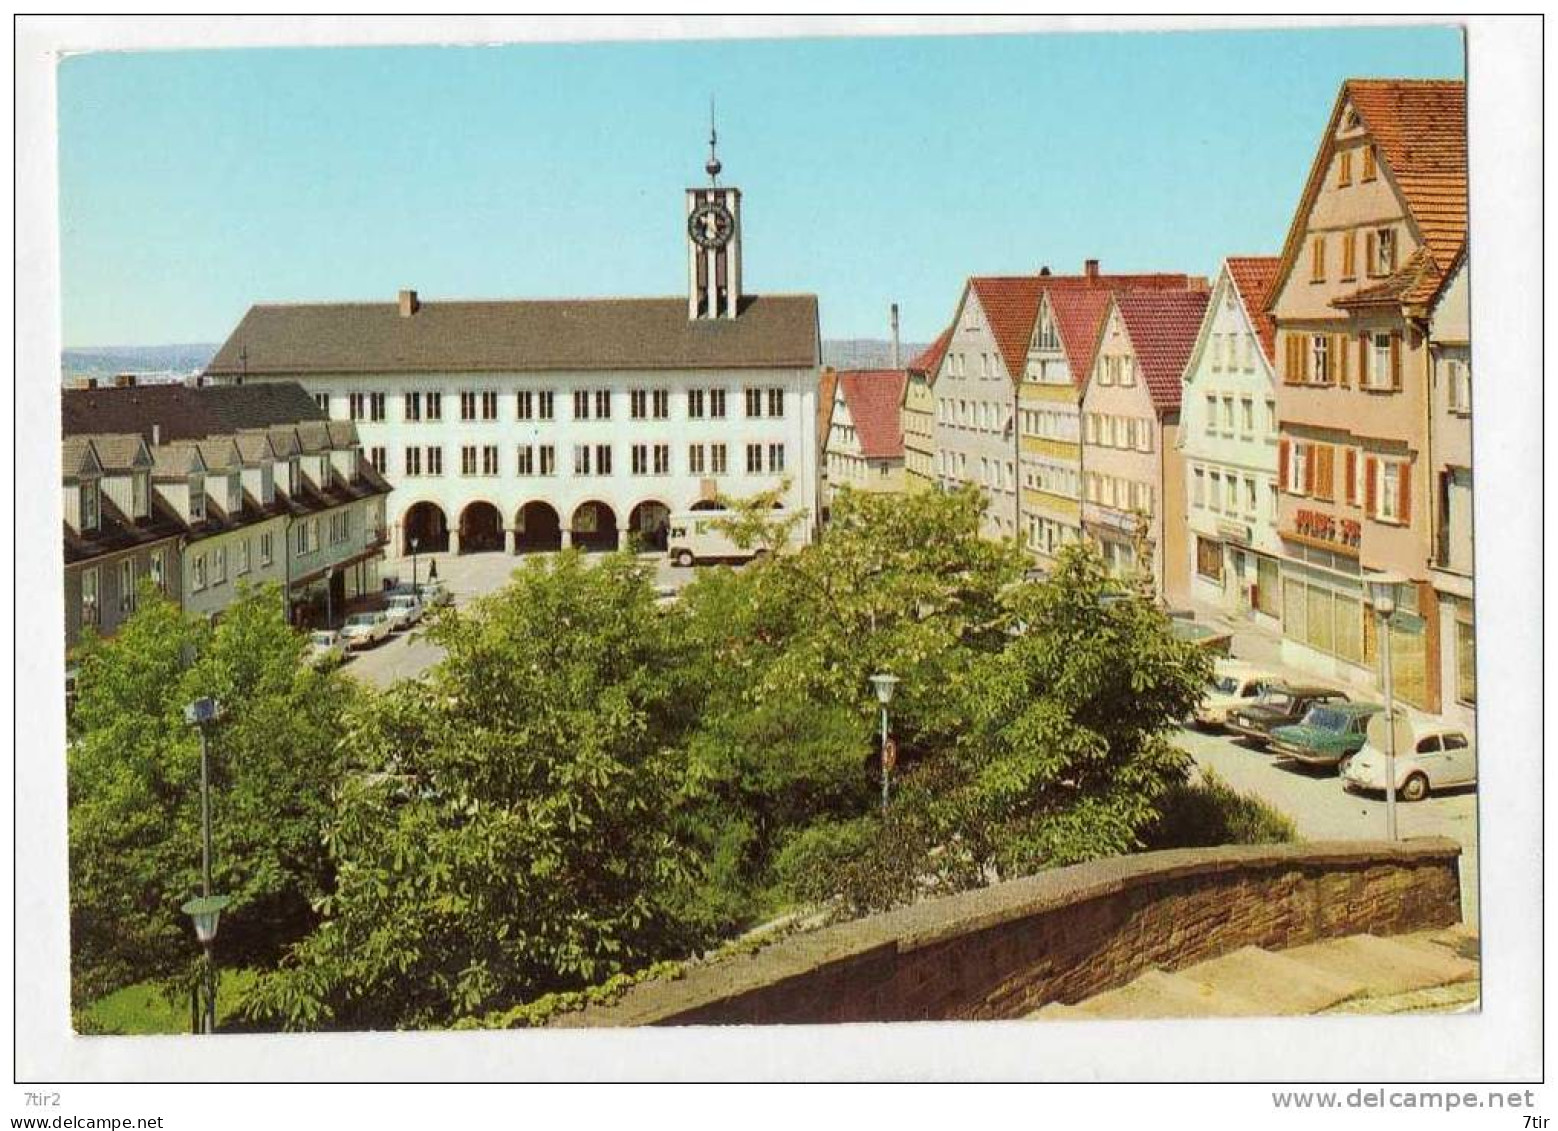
{"points": [[1282, 464], [1304, 357], [1368, 253], [1350, 475], [1349, 255], [1324, 472], [1370, 474], [1363, 359], [1395, 359], [1339, 352], [1404, 492], [1309, 470]]}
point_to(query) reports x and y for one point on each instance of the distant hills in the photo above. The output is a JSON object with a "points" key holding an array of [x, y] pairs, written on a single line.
{"points": [[175, 362]]}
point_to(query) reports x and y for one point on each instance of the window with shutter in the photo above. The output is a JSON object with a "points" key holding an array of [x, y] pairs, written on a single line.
{"points": [[1339, 350], [1368, 163], [1317, 259], [1404, 493], [1370, 479], [1395, 360], [1349, 255], [1350, 477], [1370, 253], [1282, 462], [1308, 460], [1324, 472]]}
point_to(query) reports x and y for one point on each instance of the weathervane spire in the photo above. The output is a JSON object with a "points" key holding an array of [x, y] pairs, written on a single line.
{"points": [[713, 167]]}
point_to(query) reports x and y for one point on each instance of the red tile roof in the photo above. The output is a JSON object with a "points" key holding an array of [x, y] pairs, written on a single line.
{"points": [[930, 359], [1011, 305], [1011, 302], [1420, 128], [827, 386], [1163, 327], [1079, 316], [1253, 277], [874, 397]]}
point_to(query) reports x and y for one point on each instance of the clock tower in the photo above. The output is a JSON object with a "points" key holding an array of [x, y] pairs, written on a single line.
{"points": [[713, 244]]}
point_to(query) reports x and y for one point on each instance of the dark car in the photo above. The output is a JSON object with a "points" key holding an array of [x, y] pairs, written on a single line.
{"points": [[1330, 734], [1283, 704]]}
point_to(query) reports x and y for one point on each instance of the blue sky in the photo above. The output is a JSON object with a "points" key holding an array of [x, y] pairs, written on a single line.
{"points": [[874, 170]]}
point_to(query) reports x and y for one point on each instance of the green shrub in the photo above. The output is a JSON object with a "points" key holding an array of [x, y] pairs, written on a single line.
{"points": [[1208, 812]]}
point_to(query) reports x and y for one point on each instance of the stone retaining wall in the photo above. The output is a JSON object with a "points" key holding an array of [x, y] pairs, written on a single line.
{"points": [[1003, 951]]}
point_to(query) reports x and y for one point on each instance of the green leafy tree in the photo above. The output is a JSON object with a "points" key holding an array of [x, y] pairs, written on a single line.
{"points": [[511, 825], [134, 790], [1064, 753]]}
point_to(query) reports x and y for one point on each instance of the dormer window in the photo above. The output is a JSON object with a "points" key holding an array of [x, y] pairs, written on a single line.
{"points": [[234, 494], [294, 471], [267, 484], [89, 505], [140, 495], [197, 497]]}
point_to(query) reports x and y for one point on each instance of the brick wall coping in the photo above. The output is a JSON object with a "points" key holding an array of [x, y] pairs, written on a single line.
{"points": [[938, 920]]}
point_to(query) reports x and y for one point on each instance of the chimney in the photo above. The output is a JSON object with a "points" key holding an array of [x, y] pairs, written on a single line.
{"points": [[1090, 268], [409, 304], [124, 380], [156, 435], [895, 335], [1044, 271]]}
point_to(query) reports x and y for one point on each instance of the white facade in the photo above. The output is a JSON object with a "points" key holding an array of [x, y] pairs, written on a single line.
{"points": [[975, 440], [685, 457], [1228, 438]]}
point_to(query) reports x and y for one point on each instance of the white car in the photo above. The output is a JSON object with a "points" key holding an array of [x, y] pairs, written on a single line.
{"points": [[1234, 684], [403, 610], [362, 630], [1429, 756], [325, 647], [433, 594]]}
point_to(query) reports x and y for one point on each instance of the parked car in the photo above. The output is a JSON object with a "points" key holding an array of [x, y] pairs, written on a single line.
{"points": [[325, 647], [1234, 683], [1329, 735], [1279, 705], [403, 610], [1429, 756], [363, 630]]}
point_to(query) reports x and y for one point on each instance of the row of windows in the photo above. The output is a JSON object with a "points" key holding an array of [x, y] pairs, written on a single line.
{"points": [[1379, 254], [1117, 369], [1222, 415], [1344, 165], [1220, 491], [1046, 425], [1047, 536], [541, 404], [588, 459], [1231, 351], [989, 367], [1373, 358], [1057, 479], [209, 568], [986, 416], [129, 577], [1380, 485], [993, 473], [1127, 432], [1120, 493]]}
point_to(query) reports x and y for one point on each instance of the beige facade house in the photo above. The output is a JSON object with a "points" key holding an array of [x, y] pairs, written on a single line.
{"points": [[1380, 225], [1133, 474], [865, 442], [918, 417]]}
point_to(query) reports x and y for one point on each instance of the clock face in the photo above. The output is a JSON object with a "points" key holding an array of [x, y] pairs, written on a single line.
{"points": [[711, 225]]}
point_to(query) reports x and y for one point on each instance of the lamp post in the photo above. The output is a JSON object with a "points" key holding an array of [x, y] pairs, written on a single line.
{"points": [[413, 564], [206, 910], [884, 685], [1384, 592], [330, 596]]}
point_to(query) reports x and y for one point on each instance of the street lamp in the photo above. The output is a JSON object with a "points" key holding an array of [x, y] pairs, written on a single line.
{"points": [[1384, 594], [330, 596], [206, 910], [884, 685], [413, 564]]}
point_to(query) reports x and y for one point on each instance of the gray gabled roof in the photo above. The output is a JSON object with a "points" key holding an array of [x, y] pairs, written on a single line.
{"points": [[774, 331], [122, 452], [77, 459], [177, 460], [178, 412]]}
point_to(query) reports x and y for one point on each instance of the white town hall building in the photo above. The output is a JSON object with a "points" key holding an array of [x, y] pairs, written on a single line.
{"points": [[531, 425]]}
